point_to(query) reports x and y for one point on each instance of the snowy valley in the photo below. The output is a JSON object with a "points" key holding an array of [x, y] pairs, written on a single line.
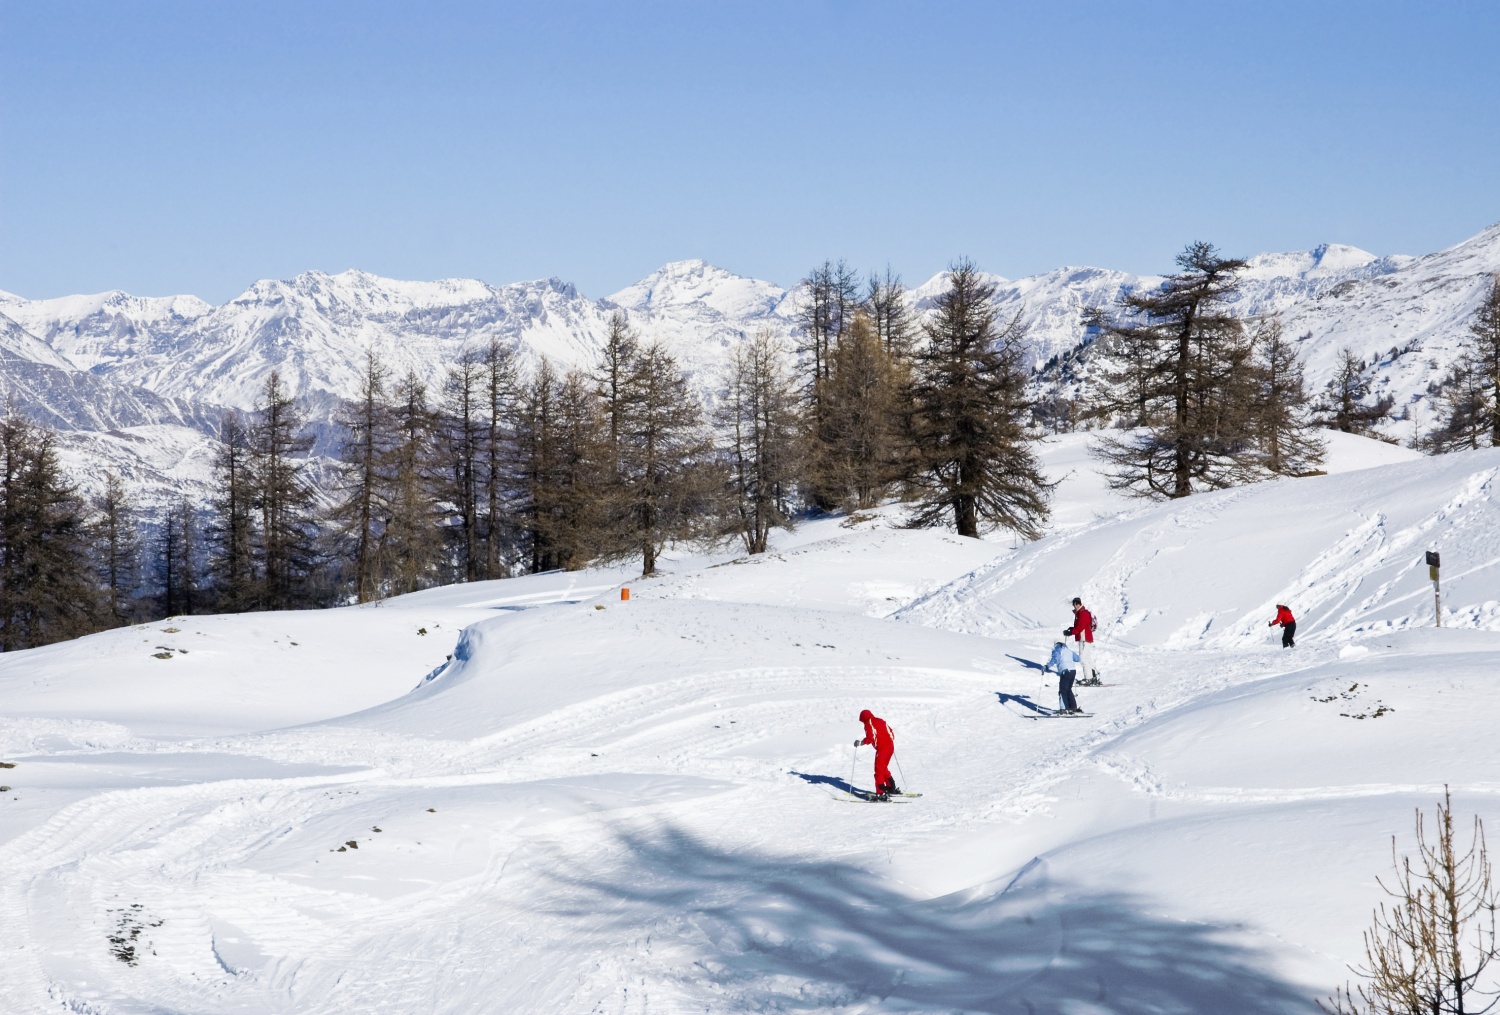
{"points": [[531, 795]]}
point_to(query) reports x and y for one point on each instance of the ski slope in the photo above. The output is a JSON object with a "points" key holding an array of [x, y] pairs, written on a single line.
{"points": [[532, 796]]}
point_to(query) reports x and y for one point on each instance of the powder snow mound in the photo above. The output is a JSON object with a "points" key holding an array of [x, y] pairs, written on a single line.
{"points": [[1346, 552]]}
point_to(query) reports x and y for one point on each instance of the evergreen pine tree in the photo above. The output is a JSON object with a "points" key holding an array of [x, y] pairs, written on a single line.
{"points": [[578, 486], [1464, 398], [667, 485], [412, 538], [463, 427], [231, 529], [830, 296], [885, 301], [49, 587], [856, 441], [118, 549], [189, 577], [500, 398], [286, 549], [364, 453], [1346, 403], [760, 419], [1485, 347], [1470, 393], [968, 406], [1283, 427], [1177, 369]]}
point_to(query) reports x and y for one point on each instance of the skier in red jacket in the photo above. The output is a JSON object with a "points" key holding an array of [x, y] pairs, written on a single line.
{"points": [[1082, 632], [1288, 625], [879, 734]]}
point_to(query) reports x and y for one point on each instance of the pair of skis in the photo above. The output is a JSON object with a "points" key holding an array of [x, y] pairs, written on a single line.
{"points": [[860, 796]]}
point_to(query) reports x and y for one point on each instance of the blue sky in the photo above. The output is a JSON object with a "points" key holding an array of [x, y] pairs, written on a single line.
{"points": [[195, 147]]}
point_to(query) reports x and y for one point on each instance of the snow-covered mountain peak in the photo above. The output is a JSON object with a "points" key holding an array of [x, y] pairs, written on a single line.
{"points": [[361, 292], [8, 297], [1324, 260], [696, 283], [74, 310]]}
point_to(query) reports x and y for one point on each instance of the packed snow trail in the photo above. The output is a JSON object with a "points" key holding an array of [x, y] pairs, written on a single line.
{"points": [[633, 808]]}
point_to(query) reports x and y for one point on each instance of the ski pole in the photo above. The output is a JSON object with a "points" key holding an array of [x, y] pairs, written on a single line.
{"points": [[853, 760], [897, 760]]}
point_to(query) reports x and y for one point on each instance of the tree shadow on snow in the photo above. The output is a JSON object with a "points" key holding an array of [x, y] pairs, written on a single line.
{"points": [[1028, 663], [827, 780], [1024, 701], [753, 931]]}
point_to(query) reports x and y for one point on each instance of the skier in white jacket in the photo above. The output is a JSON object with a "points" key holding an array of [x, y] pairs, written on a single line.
{"points": [[1064, 662]]}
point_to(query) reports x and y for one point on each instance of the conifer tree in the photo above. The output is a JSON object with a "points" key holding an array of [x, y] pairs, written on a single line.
{"points": [[49, 589], [1283, 427], [830, 296], [364, 453], [176, 567], [857, 440], [117, 549], [667, 485], [885, 300], [411, 541], [575, 498], [500, 397], [463, 430], [286, 550], [1346, 404], [565, 471], [1485, 349], [189, 578], [231, 530], [760, 419], [535, 467], [1470, 393], [1463, 397], [968, 405], [1180, 376], [616, 361]]}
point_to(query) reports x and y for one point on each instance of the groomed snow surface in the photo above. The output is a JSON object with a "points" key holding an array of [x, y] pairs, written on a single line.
{"points": [[632, 807]]}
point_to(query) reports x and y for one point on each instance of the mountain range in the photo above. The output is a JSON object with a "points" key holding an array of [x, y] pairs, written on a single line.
{"points": [[92, 365]]}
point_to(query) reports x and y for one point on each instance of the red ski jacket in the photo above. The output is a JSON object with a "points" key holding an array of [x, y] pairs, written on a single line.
{"points": [[1284, 617], [876, 731], [1083, 625]]}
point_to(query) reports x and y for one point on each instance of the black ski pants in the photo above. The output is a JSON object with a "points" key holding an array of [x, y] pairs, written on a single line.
{"points": [[1065, 690], [1287, 633]]}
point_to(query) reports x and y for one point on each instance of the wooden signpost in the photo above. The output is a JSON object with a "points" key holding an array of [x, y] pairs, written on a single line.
{"points": [[1437, 596]]}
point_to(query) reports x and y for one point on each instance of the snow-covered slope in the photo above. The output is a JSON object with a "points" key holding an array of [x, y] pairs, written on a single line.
{"points": [[639, 806], [1406, 324]]}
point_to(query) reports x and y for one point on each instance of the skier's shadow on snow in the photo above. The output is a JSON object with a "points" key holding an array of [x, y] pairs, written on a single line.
{"points": [[827, 780], [1023, 700], [762, 930], [1028, 663]]}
